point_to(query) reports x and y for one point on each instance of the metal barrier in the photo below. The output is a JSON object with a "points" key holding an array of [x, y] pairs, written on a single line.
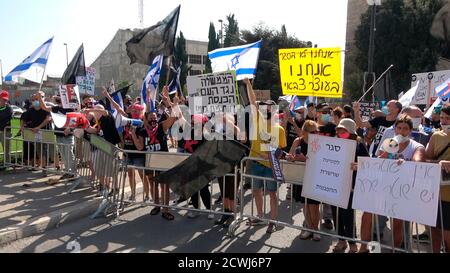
{"points": [[293, 173], [163, 161]]}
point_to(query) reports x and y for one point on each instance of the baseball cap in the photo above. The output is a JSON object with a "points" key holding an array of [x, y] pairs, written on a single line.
{"points": [[4, 95]]}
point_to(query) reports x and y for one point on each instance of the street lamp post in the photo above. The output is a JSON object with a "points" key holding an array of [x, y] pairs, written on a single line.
{"points": [[370, 74], [221, 32], [1, 72], [67, 55]]}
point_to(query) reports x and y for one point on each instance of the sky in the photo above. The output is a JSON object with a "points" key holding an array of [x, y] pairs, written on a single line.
{"points": [[29, 23]]}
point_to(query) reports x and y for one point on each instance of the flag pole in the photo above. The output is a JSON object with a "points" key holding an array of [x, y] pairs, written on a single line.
{"points": [[375, 83], [42, 79]]}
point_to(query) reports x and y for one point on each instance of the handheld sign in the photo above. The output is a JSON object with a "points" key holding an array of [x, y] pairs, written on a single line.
{"points": [[311, 72], [70, 96], [328, 174], [213, 93], [409, 191], [87, 84]]}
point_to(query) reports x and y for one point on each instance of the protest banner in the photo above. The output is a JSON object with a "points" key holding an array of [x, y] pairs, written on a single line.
{"points": [[86, 85], [409, 191], [213, 93], [367, 108], [428, 82], [311, 72], [70, 96], [274, 159], [328, 174]]}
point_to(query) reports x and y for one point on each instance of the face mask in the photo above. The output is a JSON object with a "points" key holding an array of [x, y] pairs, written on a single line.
{"points": [[36, 104], [401, 139], [416, 123], [153, 123], [326, 118], [385, 110], [446, 128], [345, 135]]}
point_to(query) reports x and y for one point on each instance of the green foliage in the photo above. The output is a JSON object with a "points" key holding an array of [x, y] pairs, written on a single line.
{"points": [[214, 43]]}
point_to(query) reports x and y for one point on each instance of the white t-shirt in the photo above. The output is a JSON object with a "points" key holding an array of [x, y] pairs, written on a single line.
{"points": [[409, 151]]}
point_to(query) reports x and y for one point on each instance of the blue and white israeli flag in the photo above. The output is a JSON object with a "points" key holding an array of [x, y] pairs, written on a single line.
{"points": [[38, 59], [242, 59], [152, 80]]}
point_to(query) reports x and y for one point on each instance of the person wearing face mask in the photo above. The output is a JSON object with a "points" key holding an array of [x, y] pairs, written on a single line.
{"points": [[438, 151], [326, 128], [153, 138], [347, 130], [292, 125], [298, 153], [409, 150], [63, 136], [392, 111], [265, 135], [35, 119]]}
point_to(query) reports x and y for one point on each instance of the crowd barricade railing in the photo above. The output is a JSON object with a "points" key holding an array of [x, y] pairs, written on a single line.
{"points": [[156, 162], [38, 150], [293, 174]]}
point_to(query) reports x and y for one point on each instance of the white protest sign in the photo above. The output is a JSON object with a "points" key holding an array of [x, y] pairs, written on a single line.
{"points": [[213, 93], [70, 96], [409, 191], [428, 82], [86, 84], [328, 177]]}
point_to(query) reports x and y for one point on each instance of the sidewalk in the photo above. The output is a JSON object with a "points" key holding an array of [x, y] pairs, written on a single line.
{"points": [[28, 206]]}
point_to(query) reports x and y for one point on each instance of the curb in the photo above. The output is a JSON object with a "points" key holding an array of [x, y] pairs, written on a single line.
{"points": [[49, 221]]}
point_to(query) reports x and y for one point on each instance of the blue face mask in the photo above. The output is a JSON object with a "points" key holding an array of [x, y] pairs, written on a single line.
{"points": [[385, 110], [326, 118], [36, 104]]}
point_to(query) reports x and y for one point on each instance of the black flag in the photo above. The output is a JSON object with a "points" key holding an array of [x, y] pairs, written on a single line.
{"points": [[159, 39], [213, 159], [115, 96], [75, 68]]}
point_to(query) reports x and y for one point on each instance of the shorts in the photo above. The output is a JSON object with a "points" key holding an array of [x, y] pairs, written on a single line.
{"points": [[260, 170], [445, 216], [230, 190], [136, 161]]}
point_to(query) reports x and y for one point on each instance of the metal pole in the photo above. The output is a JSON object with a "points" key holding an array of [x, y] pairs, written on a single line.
{"points": [[221, 33], [370, 72], [1, 71], [67, 55]]}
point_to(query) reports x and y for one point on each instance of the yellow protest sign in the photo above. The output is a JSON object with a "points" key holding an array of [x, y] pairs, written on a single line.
{"points": [[311, 72]]}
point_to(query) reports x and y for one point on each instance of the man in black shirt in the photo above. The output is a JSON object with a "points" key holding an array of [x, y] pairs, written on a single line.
{"points": [[64, 137], [392, 110], [5, 121], [293, 126]]}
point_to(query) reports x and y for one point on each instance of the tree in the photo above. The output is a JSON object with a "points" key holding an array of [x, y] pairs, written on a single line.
{"points": [[268, 72], [232, 35], [213, 44], [402, 38]]}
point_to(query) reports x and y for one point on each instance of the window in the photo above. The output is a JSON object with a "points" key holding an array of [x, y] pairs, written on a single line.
{"points": [[195, 59], [195, 72]]}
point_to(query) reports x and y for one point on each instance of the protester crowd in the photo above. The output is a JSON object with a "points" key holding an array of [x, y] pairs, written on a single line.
{"points": [[420, 139]]}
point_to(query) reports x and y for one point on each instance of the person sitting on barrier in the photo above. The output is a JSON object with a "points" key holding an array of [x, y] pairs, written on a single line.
{"points": [[136, 112], [35, 119], [409, 150], [153, 138], [298, 152], [266, 135], [438, 151], [344, 218]]}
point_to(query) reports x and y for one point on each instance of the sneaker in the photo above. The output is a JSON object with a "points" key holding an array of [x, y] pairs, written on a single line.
{"points": [[316, 237], [305, 235], [193, 214], [146, 199], [211, 216], [328, 224], [222, 220], [255, 222], [271, 228], [132, 198]]}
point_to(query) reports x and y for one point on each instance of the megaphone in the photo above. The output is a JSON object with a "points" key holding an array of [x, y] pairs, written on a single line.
{"points": [[71, 120], [122, 121]]}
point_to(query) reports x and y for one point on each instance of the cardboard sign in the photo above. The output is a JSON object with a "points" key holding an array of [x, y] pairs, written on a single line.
{"points": [[262, 95], [213, 93], [409, 191], [328, 177], [311, 72], [70, 96], [428, 82], [367, 108], [86, 84]]}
